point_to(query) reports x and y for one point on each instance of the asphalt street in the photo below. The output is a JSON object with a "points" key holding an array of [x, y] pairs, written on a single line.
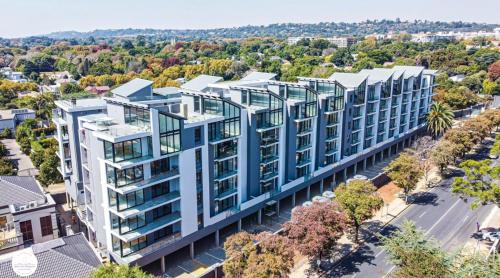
{"points": [[439, 213]]}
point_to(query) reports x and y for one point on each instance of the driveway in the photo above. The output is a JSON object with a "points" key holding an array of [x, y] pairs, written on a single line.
{"points": [[23, 162]]}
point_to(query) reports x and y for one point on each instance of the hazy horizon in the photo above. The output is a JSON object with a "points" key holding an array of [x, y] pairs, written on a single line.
{"points": [[50, 16]]}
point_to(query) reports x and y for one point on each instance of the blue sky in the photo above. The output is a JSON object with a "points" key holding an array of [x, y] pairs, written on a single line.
{"points": [[34, 17]]}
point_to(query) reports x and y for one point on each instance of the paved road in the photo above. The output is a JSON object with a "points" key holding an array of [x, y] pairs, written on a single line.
{"points": [[441, 214], [24, 165]]}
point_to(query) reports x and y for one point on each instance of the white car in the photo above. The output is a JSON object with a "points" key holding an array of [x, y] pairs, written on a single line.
{"points": [[491, 236]]}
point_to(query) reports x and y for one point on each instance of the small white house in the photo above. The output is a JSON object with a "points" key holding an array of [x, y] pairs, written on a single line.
{"points": [[27, 214]]}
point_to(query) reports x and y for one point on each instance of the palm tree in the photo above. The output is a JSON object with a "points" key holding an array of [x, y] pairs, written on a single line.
{"points": [[439, 119]]}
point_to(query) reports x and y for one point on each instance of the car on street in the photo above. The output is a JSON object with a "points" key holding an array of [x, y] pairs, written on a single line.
{"points": [[491, 236]]}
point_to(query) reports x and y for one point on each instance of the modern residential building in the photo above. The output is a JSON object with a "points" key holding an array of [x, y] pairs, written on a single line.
{"points": [[154, 171], [13, 117], [69, 256], [27, 214]]}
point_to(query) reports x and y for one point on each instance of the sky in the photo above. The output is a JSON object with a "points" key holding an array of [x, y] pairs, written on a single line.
{"points": [[35, 17]]}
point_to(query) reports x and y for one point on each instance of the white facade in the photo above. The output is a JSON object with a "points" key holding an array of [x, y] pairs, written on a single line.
{"points": [[156, 170]]}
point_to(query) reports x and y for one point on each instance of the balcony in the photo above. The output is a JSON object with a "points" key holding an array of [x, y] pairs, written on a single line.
{"points": [[9, 238], [225, 175], [268, 176], [268, 158], [150, 227], [162, 243], [148, 205], [269, 140], [146, 183], [225, 194]]}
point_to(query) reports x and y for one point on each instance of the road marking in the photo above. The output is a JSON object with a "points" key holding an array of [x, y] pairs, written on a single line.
{"points": [[465, 219], [488, 218], [213, 256], [378, 254], [354, 275], [422, 214], [390, 270], [442, 217]]}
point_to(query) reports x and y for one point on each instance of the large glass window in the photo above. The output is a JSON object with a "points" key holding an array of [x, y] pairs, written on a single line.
{"points": [[303, 141], [123, 202], [134, 245], [137, 116], [124, 177], [225, 167], [170, 134], [164, 166], [122, 151], [226, 149], [225, 185]]}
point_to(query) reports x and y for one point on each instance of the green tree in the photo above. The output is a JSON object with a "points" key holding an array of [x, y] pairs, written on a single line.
{"points": [[480, 182], [112, 270], [439, 119], [48, 169], [6, 167], [476, 266], [414, 255], [444, 154], [359, 200], [6, 133], [404, 172]]}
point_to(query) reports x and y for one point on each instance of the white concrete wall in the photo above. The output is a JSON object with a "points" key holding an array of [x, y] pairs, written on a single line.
{"points": [[34, 216], [189, 208]]}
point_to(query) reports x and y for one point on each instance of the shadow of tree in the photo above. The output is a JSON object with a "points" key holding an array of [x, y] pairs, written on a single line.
{"points": [[425, 198]]}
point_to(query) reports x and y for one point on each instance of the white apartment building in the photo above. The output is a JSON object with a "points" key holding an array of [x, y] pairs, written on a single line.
{"points": [[152, 171]]}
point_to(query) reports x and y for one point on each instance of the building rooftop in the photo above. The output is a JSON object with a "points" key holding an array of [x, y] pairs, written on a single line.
{"points": [[256, 75], [349, 80], [201, 82], [9, 114], [410, 71], [70, 256], [19, 190], [131, 87], [378, 74], [81, 104], [168, 92]]}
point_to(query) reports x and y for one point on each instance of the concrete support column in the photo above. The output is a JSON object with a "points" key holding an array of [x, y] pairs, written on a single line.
{"points": [[364, 164], [344, 172], [373, 159], [163, 264], [382, 155], [333, 180], [321, 186], [355, 168], [259, 217], [308, 192], [278, 207], [239, 225], [397, 147], [217, 238], [191, 250], [293, 199]]}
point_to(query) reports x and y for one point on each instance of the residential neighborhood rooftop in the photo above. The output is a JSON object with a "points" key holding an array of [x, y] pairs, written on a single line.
{"points": [[70, 256], [19, 190]]}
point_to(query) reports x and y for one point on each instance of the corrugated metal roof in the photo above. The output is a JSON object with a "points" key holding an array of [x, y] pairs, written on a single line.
{"points": [[349, 80], [378, 74], [410, 70], [256, 75], [201, 82], [132, 87]]}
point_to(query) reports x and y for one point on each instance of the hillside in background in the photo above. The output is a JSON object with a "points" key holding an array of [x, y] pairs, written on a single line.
{"points": [[287, 30]]}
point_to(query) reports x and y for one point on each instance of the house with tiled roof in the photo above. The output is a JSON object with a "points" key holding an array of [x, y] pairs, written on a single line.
{"points": [[27, 214], [70, 256]]}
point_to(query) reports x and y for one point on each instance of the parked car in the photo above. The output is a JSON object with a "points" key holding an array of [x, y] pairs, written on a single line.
{"points": [[491, 236]]}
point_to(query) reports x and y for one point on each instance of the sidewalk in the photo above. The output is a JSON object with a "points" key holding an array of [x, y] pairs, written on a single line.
{"points": [[394, 205]]}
